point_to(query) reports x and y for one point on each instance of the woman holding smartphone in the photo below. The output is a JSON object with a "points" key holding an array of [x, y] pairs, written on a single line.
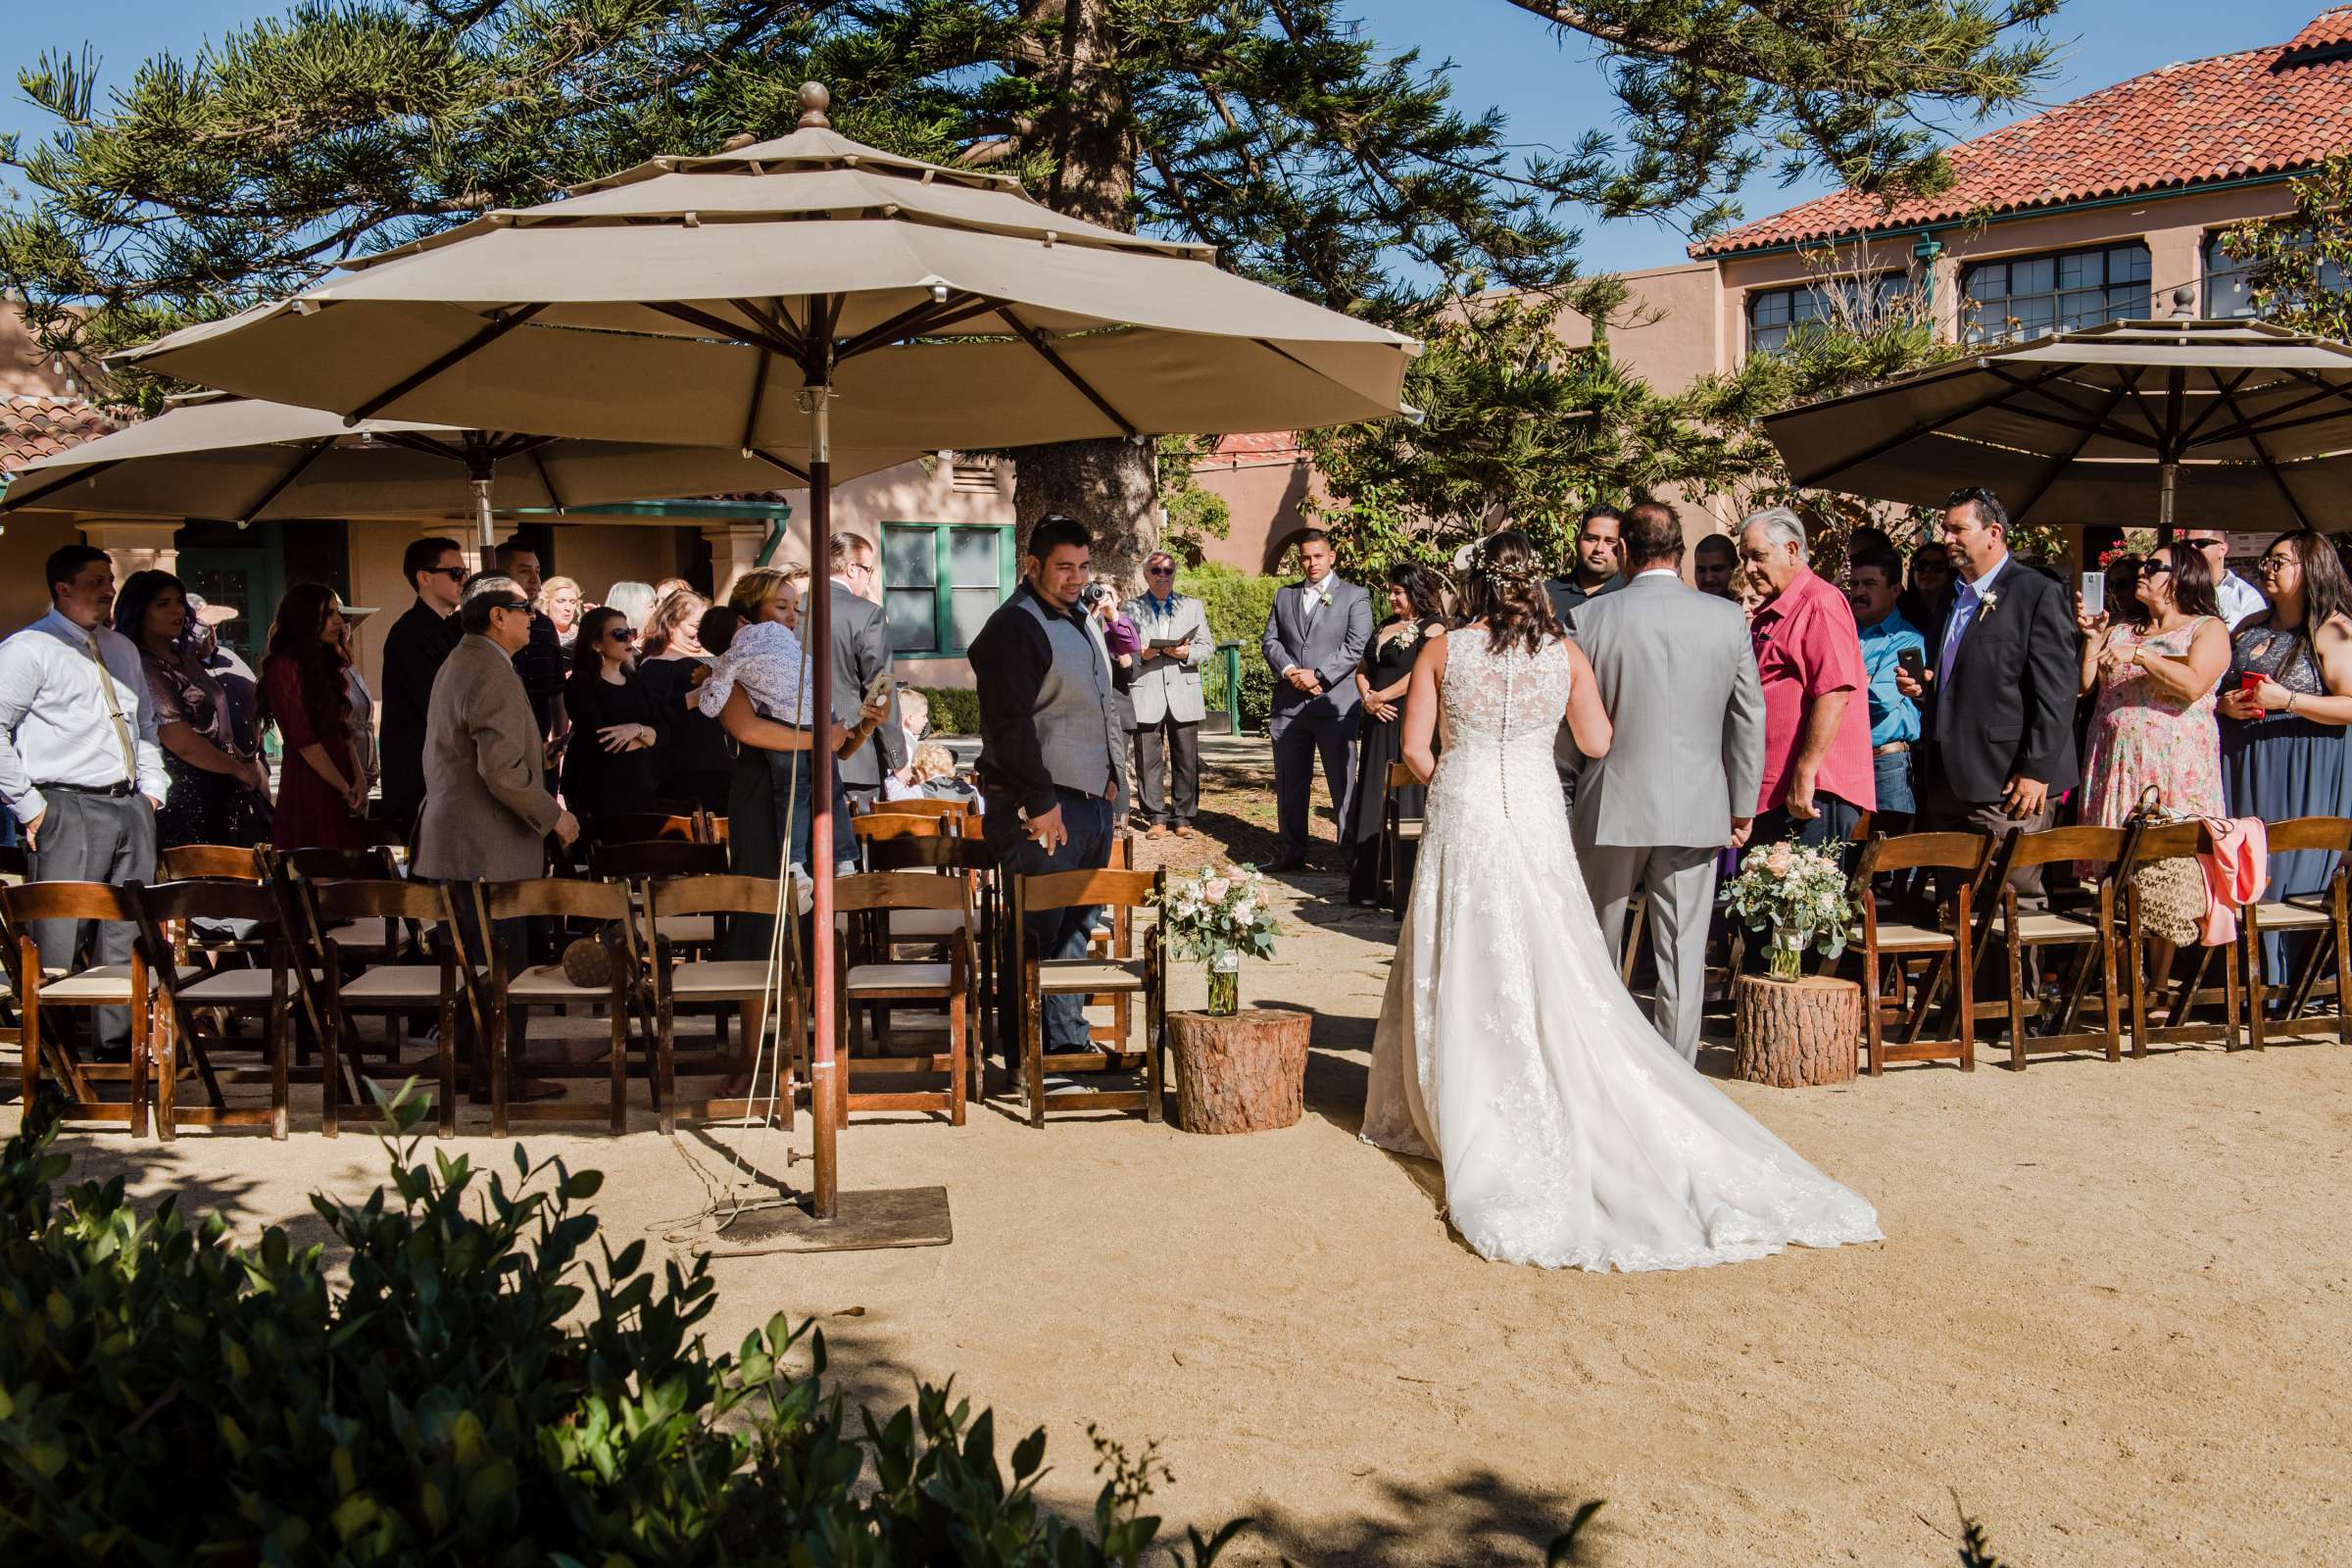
{"points": [[2154, 721], [2284, 705]]}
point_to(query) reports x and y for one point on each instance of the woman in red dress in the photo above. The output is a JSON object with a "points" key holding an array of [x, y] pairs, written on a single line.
{"points": [[320, 791]]}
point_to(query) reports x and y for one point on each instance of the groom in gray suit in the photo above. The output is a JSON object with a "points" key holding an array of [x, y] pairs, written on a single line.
{"points": [[1315, 639], [1674, 668]]}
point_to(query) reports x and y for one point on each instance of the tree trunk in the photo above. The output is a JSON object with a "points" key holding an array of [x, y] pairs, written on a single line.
{"points": [[1793, 1034], [1108, 486], [1087, 127], [1242, 1073]]}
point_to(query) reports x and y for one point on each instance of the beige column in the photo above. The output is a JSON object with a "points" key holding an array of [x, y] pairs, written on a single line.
{"points": [[137, 546], [734, 549]]}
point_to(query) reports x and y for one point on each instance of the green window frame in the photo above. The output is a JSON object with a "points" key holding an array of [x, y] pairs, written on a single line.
{"points": [[940, 583]]}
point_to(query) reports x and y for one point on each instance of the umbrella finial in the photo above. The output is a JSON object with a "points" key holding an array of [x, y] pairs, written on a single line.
{"points": [[815, 98]]}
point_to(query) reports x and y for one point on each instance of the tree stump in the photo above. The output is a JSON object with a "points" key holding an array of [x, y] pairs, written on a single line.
{"points": [[1793, 1034], [1244, 1072]]}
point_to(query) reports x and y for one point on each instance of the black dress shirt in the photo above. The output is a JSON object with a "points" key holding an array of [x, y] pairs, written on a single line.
{"points": [[414, 649]]}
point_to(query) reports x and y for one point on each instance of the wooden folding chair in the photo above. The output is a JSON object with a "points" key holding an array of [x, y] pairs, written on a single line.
{"points": [[695, 935], [1396, 830], [968, 861], [114, 985], [640, 827], [214, 863], [506, 994], [743, 983], [2025, 932], [956, 811], [2319, 916], [1114, 935], [880, 977], [358, 941], [1117, 974], [197, 1010], [343, 989], [2151, 958], [1944, 948]]}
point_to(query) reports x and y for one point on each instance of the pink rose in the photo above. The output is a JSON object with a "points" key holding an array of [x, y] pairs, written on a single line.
{"points": [[1780, 859], [1216, 889]]}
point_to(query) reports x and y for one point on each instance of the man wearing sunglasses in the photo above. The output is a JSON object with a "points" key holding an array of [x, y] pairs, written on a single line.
{"points": [[2239, 598], [1168, 707], [414, 649]]}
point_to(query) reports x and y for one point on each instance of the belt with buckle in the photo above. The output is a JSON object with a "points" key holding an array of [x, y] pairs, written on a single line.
{"points": [[1890, 749], [115, 791]]}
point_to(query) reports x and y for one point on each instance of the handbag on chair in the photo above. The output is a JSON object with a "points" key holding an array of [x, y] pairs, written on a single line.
{"points": [[2172, 891]]}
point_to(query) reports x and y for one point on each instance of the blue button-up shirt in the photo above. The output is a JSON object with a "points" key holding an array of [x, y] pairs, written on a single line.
{"points": [[1893, 715]]}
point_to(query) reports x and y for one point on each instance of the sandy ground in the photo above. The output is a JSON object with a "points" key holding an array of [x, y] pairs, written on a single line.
{"points": [[2109, 1320]]}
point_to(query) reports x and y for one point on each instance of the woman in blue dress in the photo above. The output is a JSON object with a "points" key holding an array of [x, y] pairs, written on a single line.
{"points": [[2285, 707]]}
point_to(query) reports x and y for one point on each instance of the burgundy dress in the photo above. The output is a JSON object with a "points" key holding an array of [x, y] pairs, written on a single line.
{"points": [[312, 815]]}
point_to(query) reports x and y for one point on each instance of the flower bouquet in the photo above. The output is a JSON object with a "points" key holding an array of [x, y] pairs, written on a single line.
{"points": [[1799, 895], [1216, 916]]}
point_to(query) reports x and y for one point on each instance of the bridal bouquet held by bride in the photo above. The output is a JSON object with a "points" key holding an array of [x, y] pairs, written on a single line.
{"points": [[1571, 1134]]}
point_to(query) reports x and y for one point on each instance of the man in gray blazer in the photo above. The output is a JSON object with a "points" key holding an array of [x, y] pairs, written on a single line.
{"points": [[861, 652], [1674, 669], [487, 812], [1166, 694], [1315, 639]]}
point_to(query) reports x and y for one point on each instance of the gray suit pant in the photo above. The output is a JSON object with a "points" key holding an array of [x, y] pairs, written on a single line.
{"points": [[1680, 883], [92, 838], [1298, 740], [1155, 744]]}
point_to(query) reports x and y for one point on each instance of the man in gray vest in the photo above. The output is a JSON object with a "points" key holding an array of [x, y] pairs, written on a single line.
{"points": [[1674, 669], [1047, 738]]}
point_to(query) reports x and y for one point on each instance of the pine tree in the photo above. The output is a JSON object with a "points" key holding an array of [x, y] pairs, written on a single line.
{"points": [[1316, 159]]}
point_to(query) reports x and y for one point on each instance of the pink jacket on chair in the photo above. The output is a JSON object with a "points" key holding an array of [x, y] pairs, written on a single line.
{"points": [[2238, 867]]}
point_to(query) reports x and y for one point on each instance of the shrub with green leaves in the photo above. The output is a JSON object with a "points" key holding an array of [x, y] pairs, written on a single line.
{"points": [[476, 1393], [1237, 606]]}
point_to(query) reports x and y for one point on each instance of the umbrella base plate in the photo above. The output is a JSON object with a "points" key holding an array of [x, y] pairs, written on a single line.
{"points": [[867, 1220]]}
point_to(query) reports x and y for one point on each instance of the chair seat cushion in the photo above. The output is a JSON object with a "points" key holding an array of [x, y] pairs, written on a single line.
{"points": [[687, 927], [548, 983], [1409, 829], [899, 976], [396, 982], [1090, 975], [2046, 926], [1894, 936], [103, 984], [361, 933], [2295, 914], [229, 986], [720, 977], [916, 924]]}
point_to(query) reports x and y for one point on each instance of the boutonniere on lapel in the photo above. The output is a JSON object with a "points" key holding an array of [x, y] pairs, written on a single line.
{"points": [[1988, 602]]}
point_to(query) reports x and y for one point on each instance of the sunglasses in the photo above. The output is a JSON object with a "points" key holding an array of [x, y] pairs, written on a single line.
{"points": [[2275, 563], [1159, 572], [512, 603], [453, 574], [623, 634]]}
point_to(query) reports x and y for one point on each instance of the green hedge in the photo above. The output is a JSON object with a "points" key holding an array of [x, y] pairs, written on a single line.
{"points": [[954, 710], [1238, 605], [481, 1383]]}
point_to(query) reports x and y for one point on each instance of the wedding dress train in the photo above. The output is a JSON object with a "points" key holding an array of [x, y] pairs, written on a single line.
{"points": [[1571, 1134]]}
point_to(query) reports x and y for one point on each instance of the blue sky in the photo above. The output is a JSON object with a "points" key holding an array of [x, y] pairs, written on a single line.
{"points": [[1551, 89]]}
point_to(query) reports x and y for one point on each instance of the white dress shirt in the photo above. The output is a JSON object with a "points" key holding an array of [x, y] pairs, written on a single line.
{"points": [[2239, 598], [1313, 597], [55, 724]]}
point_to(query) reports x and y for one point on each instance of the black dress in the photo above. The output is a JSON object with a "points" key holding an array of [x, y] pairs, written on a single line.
{"points": [[601, 783], [695, 761], [1378, 743]]}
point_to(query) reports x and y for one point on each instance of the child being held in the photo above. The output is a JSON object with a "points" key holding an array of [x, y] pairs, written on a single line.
{"points": [[766, 659]]}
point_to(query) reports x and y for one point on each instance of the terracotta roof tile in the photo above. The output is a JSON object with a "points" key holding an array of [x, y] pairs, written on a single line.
{"points": [[2262, 110], [37, 427]]}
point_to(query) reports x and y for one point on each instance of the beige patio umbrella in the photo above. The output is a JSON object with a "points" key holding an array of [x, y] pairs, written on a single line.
{"points": [[242, 460], [2238, 425], [753, 298]]}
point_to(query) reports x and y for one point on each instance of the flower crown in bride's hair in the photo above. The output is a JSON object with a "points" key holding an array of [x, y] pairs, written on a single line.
{"points": [[1516, 574]]}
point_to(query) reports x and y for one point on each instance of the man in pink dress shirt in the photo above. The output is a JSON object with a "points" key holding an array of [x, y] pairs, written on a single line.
{"points": [[1817, 767]]}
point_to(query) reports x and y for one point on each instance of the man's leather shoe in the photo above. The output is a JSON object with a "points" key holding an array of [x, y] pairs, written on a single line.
{"points": [[1288, 862], [1156, 831]]}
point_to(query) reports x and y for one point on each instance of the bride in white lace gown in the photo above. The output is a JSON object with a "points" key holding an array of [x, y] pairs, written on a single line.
{"points": [[1571, 1134]]}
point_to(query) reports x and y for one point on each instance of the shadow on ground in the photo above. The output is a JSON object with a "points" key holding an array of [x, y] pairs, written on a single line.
{"points": [[1475, 1517]]}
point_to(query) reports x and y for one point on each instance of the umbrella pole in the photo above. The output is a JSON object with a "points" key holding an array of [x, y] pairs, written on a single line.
{"points": [[826, 1195], [2170, 478]]}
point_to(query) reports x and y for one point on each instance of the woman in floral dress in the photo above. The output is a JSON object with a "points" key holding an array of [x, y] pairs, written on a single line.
{"points": [[2154, 723]]}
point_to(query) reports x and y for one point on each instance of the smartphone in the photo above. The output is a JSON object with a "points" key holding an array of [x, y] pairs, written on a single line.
{"points": [[878, 688], [2094, 593], [1913, 665]]}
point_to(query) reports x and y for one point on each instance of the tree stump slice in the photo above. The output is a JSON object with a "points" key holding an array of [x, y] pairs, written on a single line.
{"points": [[1795, 1034], [1242, 1072]]}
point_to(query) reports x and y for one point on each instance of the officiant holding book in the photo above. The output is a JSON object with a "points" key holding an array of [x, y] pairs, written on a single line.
{"points": [[1166, 693]]}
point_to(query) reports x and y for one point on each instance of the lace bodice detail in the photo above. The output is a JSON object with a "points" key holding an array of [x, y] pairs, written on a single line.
{"points": [[1503, 698]]}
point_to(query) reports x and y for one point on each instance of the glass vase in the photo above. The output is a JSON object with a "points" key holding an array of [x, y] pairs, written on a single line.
{"points": [[1788, 963], [1225, 982]]}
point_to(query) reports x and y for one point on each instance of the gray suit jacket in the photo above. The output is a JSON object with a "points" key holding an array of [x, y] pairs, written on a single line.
{"points": [[1169, 688], [487, 812], [1674, 669], [1331, 647], [861, 652]]}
